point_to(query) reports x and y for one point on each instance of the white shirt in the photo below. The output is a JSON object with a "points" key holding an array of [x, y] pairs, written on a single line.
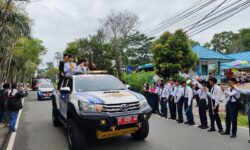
{"points": [[232, 94], [13, 92], [215, 94], [163, 93], [244, 91], [171, 89], [201, 92], [188, 93], [69, 68], [178, 93]]}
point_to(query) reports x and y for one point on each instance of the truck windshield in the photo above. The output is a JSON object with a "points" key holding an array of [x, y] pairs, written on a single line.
{"points": [[98, 83]]}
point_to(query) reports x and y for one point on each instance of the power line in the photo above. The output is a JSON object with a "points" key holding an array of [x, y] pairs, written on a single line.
{"points": [[179, 17], [216, 12], [225, 17], [195, 24]]}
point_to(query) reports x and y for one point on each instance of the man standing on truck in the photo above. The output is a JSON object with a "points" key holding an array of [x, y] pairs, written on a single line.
{"points": [[61, 69]]}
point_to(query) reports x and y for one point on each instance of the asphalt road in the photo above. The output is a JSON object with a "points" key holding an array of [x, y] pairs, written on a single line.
{"points": [[38, 133]]}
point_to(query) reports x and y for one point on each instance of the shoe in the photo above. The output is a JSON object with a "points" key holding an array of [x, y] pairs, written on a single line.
{"points": [[211, 130], [225, 133], [200, 126], [191, 124], [169, 118], [233, 136], [179, 121], [204, 127], [248, 141], [220, 131], [186, 122]]}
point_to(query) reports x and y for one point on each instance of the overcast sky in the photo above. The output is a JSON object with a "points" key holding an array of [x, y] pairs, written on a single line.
{"points": [[58, 22]]}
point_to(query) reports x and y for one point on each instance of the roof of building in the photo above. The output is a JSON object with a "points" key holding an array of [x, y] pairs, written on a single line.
{"points": [[240, 56], [210, 55]]}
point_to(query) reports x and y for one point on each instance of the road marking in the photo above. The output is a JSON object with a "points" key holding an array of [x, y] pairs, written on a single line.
{"points": [[13, 134]]}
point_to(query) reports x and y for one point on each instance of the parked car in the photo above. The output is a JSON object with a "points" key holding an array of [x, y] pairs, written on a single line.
{"points": [[45, 90], [99, 106]]}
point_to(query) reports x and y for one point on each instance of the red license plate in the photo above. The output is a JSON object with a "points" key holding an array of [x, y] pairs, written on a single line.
{"points": [[127, 120]]}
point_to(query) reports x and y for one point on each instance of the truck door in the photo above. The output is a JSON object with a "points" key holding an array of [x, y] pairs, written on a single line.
{"points": [[65, 96]]}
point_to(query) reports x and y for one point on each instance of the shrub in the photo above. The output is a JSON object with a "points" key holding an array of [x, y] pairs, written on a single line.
{"points": [[137, 80]]}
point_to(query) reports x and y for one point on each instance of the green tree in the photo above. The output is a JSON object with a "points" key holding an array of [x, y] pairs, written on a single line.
{"points": [[138, 49], [230, 42], [117, 26], [51, 73], [94, 49], [172, 54]]}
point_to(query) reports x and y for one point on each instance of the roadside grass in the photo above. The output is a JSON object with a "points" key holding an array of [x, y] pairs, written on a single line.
{"points": [[242, 119]]}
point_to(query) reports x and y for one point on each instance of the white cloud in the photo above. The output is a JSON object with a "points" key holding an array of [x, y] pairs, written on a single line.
{"points": [[58, 22]]}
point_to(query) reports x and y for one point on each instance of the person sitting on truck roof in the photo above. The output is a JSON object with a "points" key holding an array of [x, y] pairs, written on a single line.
{"points": [[70, 66], [82, 67]]}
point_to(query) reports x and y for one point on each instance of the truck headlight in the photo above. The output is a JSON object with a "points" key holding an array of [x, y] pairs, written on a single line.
{"points": [[87, 107], [143, 103]]}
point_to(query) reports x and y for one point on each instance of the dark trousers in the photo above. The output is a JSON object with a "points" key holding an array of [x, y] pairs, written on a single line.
{"points": [[189, 111], [214, 115], [1, 112], [164, 108], [155, 103], [203, 111], [197, 100], [59, 83], [180, 109], [231, 117], [172, 108]]}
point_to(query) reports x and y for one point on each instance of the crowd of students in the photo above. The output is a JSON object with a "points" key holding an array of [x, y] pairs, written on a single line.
{"points": [[10, 103], [178, 95]]}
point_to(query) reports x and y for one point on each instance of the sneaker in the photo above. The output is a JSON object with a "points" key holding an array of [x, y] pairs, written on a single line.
{"points": [[179, 121], [233, 136], [211, 130], [186, 122], [191, 124], [220, 131], [204, 127], [225, 133], [200, 126]]}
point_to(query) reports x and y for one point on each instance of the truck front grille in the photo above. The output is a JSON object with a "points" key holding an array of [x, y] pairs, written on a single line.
{"points": [[122, 107]]}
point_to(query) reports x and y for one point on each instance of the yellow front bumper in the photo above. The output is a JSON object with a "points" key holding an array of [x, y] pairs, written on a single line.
{"points": [[103, 135]]}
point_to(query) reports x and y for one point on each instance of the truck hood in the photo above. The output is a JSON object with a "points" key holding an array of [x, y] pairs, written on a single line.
{"points": [[111, 97]]}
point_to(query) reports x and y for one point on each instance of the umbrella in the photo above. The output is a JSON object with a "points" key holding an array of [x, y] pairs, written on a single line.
{"points": [[238, 63]]}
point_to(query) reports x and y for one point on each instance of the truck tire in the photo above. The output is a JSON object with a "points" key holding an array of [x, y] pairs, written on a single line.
{"points": [[56, 121], [142, 133], [76, 136]]}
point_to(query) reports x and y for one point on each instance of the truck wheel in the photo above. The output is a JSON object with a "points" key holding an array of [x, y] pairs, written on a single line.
{"points": [[76, 136], [142, 133], [56, 121]]}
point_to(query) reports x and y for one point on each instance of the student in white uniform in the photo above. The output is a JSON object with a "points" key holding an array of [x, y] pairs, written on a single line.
{"points": [[247, 92], [215, 95], [179, 100], [233, 99], [188, 103], [164, 95], [202, 94], [171, 104]]}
